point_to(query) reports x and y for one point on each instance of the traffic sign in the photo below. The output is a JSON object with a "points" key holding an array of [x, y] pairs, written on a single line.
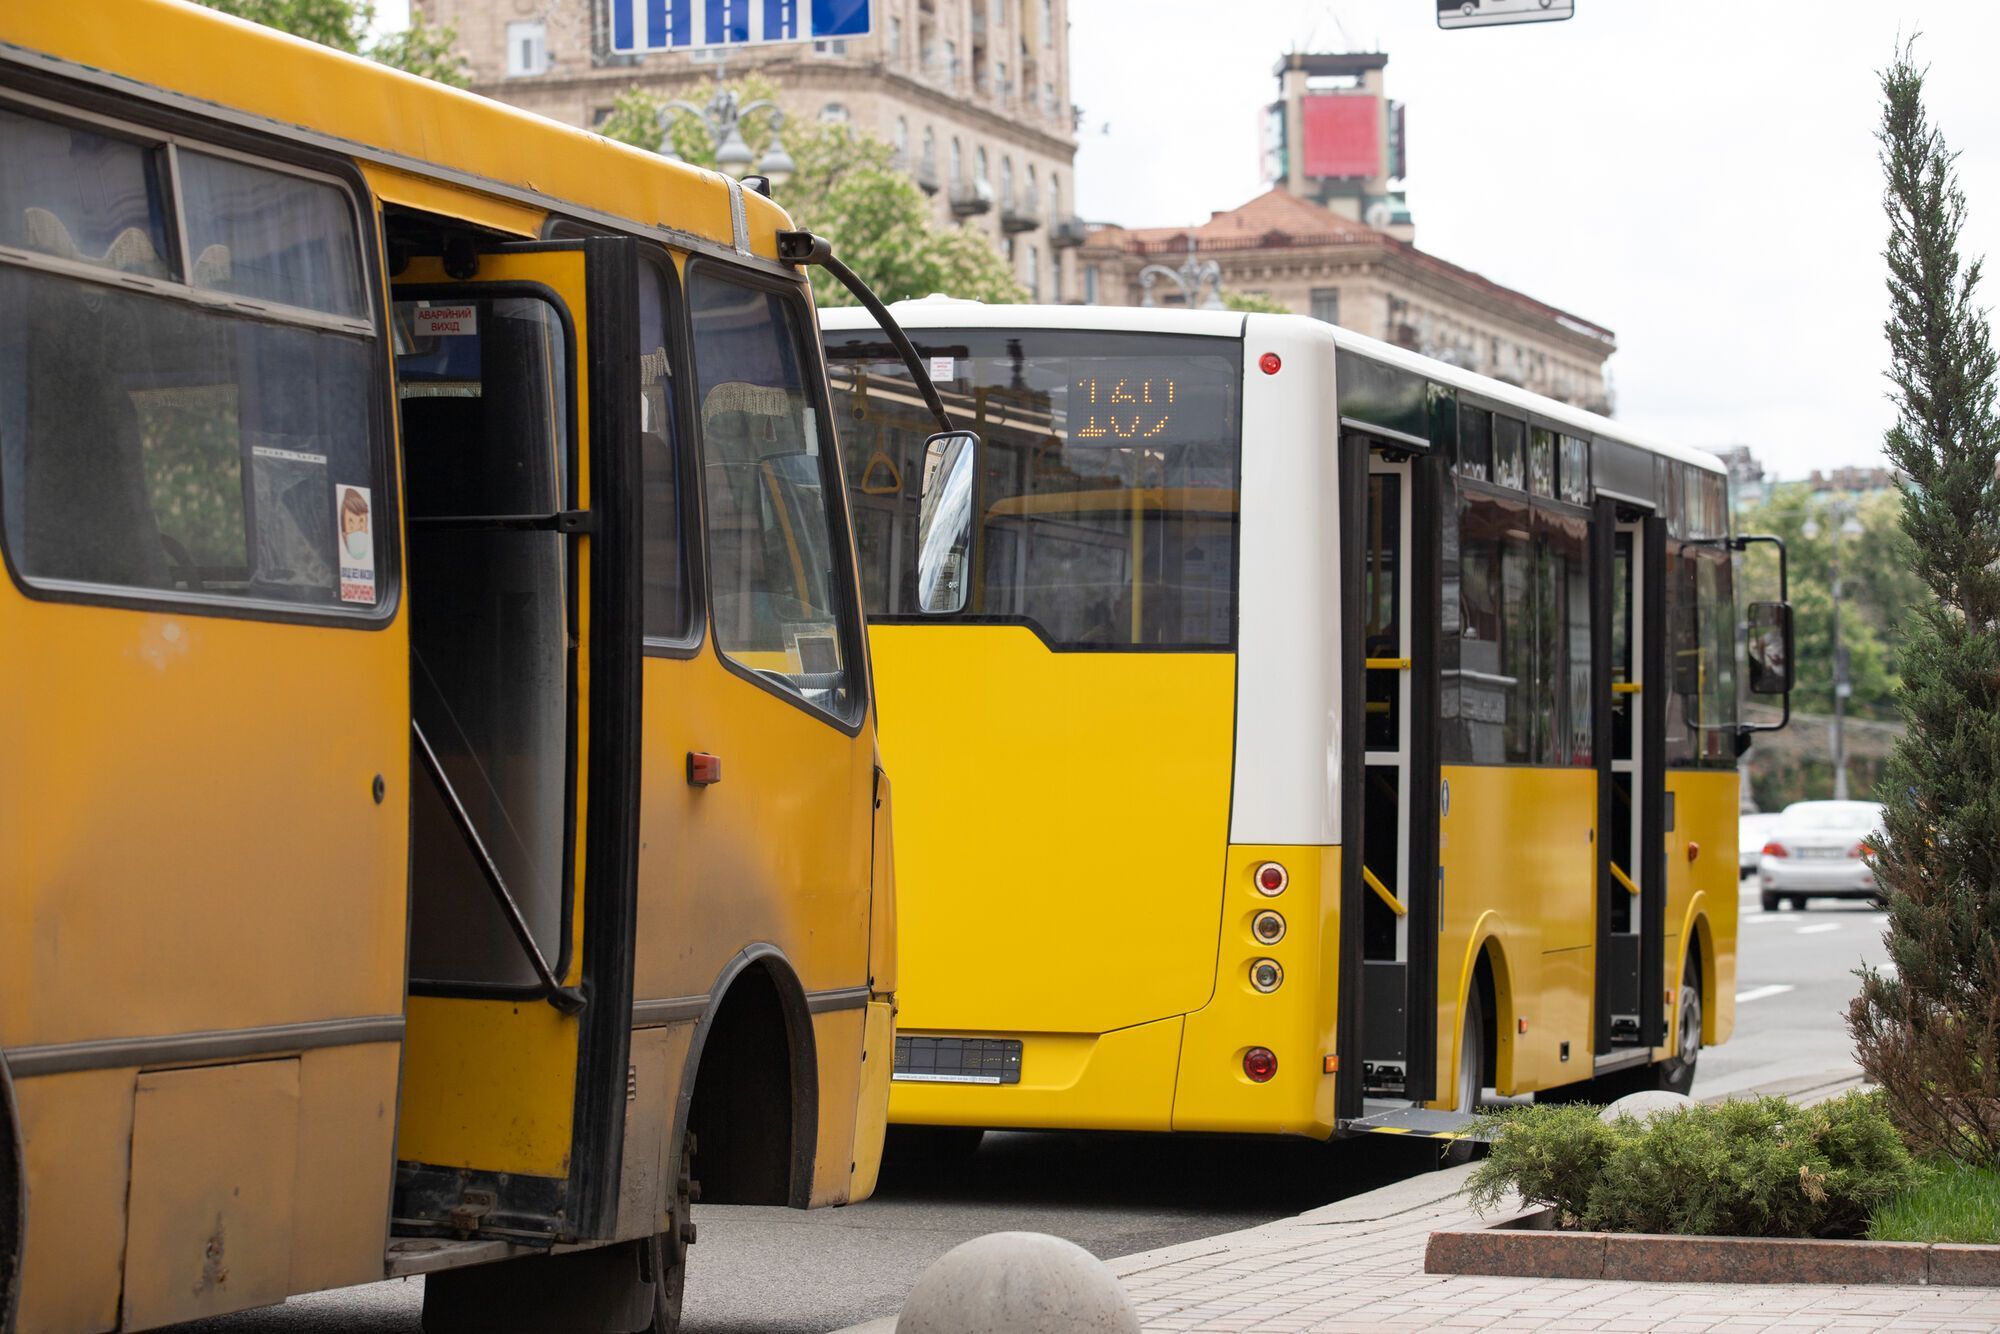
{"points": [[1488, 13], [638, 26]]}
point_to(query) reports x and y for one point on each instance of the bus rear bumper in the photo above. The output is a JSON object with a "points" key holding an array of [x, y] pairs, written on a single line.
{"points": [[1121, 1080]]}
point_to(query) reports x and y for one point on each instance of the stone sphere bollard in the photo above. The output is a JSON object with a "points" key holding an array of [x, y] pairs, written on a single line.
{"points": [[1017, 1283], [1645, 1106]]}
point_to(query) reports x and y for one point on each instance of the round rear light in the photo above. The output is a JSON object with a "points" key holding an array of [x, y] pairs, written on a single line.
{"points": [[1269, 363], [1776, 850], [1259, 1064], [1272, 879], [1267, 975], [1268, 927]]}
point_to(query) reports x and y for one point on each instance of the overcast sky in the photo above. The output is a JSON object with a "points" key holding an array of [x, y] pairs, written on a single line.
{"points": [[1698, 175]]}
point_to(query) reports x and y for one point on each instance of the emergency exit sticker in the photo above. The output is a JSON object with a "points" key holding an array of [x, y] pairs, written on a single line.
{"points": [[942, 368], [443, 321]]}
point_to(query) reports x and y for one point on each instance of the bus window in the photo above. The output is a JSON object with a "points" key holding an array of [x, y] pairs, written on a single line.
{"points": [[664, 561], [779, 598], [1109, 481], [485, 430], [151, 442]]}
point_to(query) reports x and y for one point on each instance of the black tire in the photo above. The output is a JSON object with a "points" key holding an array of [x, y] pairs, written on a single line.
{"points": [[666, 1254], [1471, 1081], [1798, 903], [1676, 1073], [1768, 900]]}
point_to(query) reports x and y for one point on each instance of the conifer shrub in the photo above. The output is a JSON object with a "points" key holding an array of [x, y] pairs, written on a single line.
{"points": [[1754, 1168]]}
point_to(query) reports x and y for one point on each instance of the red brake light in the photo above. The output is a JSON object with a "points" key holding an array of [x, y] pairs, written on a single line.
{"points": [[1775, 849], [1860, 852], [1272, 878], [1269, 363], [1260, 1064]]}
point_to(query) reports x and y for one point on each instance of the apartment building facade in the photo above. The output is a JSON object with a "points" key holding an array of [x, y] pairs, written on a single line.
{"points": [[973, 95]]}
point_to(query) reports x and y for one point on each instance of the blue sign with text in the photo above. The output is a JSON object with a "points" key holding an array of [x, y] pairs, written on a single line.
{"points": [[638, 26]]}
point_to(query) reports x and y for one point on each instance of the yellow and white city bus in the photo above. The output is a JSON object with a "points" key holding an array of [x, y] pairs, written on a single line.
{"points": [[441, 826], [1300, 735]]}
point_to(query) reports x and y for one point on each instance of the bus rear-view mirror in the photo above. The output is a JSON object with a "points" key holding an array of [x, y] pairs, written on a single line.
{"points": [[944, 521], [1769, 647]]}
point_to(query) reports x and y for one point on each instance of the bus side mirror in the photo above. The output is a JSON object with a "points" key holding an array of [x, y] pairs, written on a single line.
{"points": [[944, 522], [1769, 648]]}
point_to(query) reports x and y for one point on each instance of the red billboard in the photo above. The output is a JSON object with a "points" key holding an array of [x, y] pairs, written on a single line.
{"points": [[1343, 133]]}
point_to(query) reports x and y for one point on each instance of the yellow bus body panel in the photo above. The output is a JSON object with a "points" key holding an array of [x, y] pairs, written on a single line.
{"points": [[1702, 891], [1296, 1022], [1061, 836], [1518, 855], [1122, 1080]]}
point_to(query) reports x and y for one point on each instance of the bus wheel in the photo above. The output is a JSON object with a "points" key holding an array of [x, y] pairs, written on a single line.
{"points": [[1472, 1053], [665, 1255], [1676, 1073]]}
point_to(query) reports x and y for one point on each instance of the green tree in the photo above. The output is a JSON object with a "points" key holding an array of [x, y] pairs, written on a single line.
{"points": [[1255, 303], [1929, 1032], [425, 48], [848, 189]]}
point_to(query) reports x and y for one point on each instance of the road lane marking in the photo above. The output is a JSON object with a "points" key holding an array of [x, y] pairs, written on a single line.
{"points": [[1759, 993], [1816, 929]]}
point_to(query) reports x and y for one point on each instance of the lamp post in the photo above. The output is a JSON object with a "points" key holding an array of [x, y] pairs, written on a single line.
{"points": [[1850, 526], [1190, 278], [723, 118]]}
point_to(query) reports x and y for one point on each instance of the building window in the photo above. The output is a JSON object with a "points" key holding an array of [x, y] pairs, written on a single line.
{"points": [[957, 161], [1048, 23], [1326, 304], [979, 165], [1007, 181], [1055, 277], [903, 136], [837, 47], [1035, 272], [895, 39], [1055, 196], [1000, 85], [833, 113], [1090, 284], [527, 49]]}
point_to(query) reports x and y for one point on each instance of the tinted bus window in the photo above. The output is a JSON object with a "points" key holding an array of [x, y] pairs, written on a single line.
{"points": [[778, 596], [1109, 481], [151, 442]]}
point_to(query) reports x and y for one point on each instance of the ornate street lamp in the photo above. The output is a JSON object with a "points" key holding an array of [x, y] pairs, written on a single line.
{"points": [[723, 118], [1190, 278]]}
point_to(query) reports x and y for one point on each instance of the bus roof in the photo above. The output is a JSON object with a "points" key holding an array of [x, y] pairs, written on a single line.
{"points": [[215, 65], [938, 312]]}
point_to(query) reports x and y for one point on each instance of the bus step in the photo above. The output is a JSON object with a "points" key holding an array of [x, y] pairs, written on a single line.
{"points": [[1419, 1121]]}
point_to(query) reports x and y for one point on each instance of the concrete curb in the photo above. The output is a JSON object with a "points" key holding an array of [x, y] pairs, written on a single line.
{"points": [[1526, 1246]]}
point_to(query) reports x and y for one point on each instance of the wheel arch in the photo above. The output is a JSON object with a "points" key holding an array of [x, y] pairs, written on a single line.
{"points": [[1486, 948], [756, 966], [1698, 949]]}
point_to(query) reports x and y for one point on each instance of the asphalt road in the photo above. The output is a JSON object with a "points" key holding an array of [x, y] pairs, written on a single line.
{"points": [[776, 1271]]}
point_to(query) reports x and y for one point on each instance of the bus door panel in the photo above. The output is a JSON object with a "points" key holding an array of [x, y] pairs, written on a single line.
{"points": [[1630, 870], [1398, 864], [517, 385]]}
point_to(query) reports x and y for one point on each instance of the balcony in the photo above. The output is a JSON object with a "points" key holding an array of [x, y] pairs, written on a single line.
{"points": [[1020, 213], [1068, 232], [926, 174], [969, 199]]}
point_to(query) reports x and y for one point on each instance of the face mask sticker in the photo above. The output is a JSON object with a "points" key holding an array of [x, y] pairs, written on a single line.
{"points": [[354, 520]]}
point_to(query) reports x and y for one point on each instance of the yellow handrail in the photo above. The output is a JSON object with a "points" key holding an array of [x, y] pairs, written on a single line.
{"points": [[1386, 664], [1618, 874], [1627, 687], [1382, 892]]}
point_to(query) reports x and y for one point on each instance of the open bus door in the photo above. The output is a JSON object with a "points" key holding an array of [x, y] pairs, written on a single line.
{"points": [[1393, 491], [518, 399]]}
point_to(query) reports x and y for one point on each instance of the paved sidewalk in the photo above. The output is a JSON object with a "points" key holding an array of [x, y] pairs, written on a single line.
{"points": [[1358, 1265]]}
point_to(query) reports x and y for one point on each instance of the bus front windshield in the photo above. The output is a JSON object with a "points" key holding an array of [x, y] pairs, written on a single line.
{"points": [[1108, 485]]}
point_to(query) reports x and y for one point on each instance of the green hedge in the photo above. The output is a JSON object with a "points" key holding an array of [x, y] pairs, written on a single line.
{"points": [[1754, 1168]]}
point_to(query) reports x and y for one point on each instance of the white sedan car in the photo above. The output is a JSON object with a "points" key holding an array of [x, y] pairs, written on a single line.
{"points": [[1752, 828], [1815, 852]]}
